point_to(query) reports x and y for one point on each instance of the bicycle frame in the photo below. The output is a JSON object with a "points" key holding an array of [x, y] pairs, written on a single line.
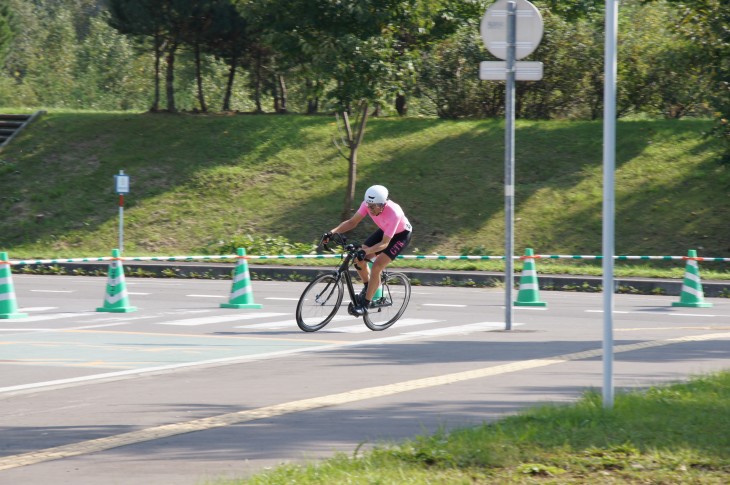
{"points": [[343, 271]]}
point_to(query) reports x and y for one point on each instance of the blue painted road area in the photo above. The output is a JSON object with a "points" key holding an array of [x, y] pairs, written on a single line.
{"points": [[122, 350]]}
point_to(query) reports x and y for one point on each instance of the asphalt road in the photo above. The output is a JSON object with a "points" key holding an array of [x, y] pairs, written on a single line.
{"points": [[182, 391]]}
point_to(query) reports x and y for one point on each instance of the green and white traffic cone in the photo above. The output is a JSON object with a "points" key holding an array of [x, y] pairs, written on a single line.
{"points": [[8, 303], [241, 291], [529, 293], [116, 299], [692, 294]]}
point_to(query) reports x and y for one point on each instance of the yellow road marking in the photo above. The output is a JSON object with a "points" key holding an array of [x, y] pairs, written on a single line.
{"points": [[174, 429]]}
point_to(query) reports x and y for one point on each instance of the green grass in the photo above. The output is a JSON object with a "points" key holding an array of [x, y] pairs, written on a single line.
{"points": [[199, 182], [665, 435]]}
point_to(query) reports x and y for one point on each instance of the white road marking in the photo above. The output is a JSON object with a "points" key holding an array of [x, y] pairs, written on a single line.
{"points": [[461, 329], [361, 328], [37, 308], [141, 294], [51, 291], [53, 316], [220, 319], [671, 314], [444, 305], [282, 299], [207, 296], [104, 325], [288, 323]]}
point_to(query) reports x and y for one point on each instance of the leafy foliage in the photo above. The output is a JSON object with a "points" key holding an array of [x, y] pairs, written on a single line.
{"points": [[314, 55]]}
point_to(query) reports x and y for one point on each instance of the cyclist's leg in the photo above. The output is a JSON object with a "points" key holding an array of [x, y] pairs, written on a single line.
{"points": [[363, 270], [399, 242], [362, 267], [379, 264]]}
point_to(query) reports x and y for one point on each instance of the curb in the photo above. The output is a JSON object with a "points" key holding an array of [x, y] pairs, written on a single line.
{"points": [[577, 283]]}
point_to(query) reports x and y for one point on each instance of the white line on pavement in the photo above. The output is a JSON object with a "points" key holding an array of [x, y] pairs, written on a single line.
{"points": [[652, 312], [461, 329], [287, 323], [444, 305], [54, 316], [361, 328], [220, 319]]}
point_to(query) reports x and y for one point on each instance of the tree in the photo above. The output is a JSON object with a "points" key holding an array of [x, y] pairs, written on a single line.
{"points": [[6, 31], [168, 22], [228, 40], [352, 141], [137, 18], [705, 23], [109, 73]]}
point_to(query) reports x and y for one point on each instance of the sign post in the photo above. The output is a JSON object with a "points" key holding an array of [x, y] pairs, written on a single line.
{"points": [[609, 195], [121, 183], [511, 30]]}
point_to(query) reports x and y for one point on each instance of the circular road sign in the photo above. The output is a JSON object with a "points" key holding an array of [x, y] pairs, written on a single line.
{"points": [[528, 31]]}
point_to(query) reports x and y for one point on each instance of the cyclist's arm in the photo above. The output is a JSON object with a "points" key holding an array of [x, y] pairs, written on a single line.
{"points": [[381, 246], [348, 225]]}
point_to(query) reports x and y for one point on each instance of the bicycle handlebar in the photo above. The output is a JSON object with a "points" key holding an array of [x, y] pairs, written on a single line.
{"points": [[340, 240]]}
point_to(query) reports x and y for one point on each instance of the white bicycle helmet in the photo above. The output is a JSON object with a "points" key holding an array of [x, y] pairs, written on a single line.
{"points": [[377, 194]]}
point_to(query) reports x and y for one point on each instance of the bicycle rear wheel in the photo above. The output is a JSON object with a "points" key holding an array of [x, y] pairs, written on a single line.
{"points": [[319, 302], [385, 311]]}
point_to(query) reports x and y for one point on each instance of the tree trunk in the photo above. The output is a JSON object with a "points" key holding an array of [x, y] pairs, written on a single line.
{"points": [[229, 85], [351, 184], [170, 79], [312, 99], [282, 93], [275, 95], [354, 141], [199, 78], [158, 55], [401, 105], [257, 87]]}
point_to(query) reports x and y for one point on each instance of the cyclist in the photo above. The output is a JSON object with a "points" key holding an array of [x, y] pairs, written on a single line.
{"points": [[392, 236]]}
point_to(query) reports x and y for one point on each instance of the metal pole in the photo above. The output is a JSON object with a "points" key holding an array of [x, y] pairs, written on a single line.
{"points": [[609, 205], [509, 162], [121, 223]]}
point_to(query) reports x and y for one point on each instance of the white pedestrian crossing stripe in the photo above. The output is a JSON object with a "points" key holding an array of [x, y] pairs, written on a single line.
{"points": [[53, 316], [361, 328], [220, 319], [287, 323], [461, 329]]}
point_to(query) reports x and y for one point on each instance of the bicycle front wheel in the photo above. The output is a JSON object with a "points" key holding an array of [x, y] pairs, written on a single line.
{"points": [[386, 310], [319, 302]]}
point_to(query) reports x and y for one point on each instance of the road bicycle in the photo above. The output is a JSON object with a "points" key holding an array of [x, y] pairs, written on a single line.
{"points": [[322, 298]]}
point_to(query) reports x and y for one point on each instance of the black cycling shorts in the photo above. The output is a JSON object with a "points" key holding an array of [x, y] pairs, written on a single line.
{"points": [[397, 244]]}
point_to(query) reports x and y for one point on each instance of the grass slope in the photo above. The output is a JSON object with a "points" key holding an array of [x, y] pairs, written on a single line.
{"points": [[666, 435], [197, 180]]}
